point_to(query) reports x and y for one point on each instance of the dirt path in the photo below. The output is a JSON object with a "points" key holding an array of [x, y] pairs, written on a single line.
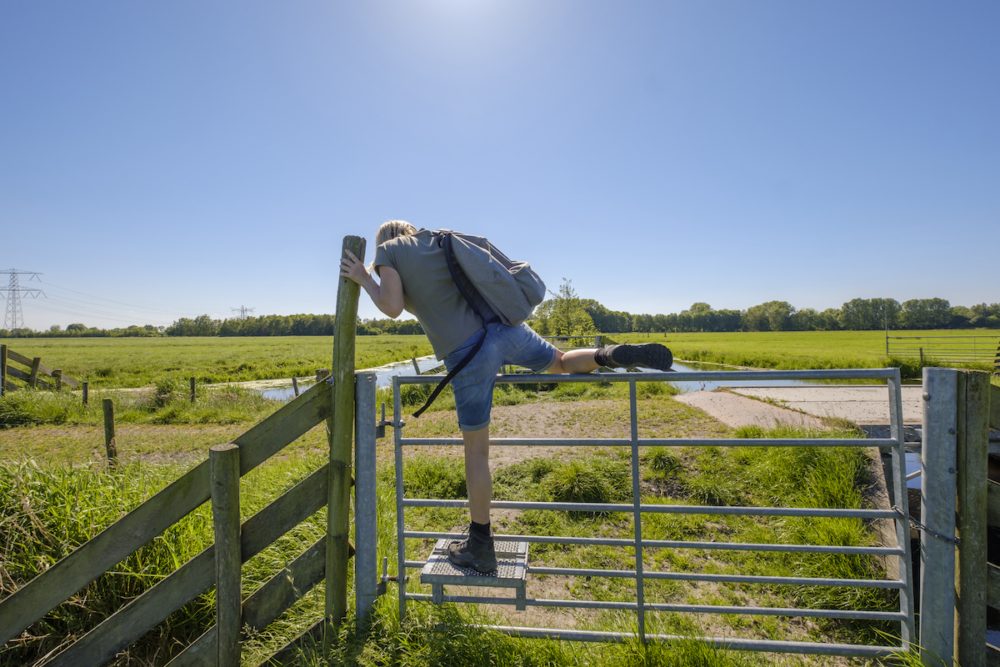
{"points": [[736, 411]]}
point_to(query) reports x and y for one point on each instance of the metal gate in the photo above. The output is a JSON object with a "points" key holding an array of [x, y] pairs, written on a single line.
{"points": [[901, 551]]}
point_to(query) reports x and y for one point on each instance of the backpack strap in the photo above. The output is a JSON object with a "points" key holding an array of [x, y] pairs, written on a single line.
{"points": [[444, 241]]}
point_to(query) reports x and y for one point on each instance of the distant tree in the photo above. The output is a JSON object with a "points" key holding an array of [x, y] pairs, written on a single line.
{"points": [[926, 314]]}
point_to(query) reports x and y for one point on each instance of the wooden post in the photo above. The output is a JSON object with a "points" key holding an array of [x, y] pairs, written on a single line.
{"points": [[416, 366], [971, 570], [295, 386], [341, 428], [224, 464], [322, 374], [3, 370], [86, 394], [109, 432], [192, 390], [57, 376], [33, 376]]}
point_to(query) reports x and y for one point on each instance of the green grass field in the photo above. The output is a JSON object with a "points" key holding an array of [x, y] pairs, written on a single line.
{"points": [[790, 350], [136, 362]]}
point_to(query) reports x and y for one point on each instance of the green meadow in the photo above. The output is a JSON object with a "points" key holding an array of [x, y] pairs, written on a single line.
{"points": [[137, 362], [789, 350]]}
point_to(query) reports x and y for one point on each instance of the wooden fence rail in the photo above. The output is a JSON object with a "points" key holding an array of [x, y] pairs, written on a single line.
{"points": [[221, 563], [33, 377]]}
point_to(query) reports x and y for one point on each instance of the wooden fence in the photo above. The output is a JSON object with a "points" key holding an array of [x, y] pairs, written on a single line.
{"points": [[37, 376], [341, 401]]}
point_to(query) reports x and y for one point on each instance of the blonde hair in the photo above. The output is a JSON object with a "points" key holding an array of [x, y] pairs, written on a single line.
{"points": [[388, 231]]}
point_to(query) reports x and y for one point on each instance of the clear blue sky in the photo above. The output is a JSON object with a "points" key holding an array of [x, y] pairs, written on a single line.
{"points": [[188, 157]]}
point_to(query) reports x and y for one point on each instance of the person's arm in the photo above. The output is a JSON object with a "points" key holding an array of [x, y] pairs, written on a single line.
{"points": [[387, 297]]}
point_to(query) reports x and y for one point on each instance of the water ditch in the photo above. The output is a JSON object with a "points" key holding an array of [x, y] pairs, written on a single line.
{"points": [[384, 375]]}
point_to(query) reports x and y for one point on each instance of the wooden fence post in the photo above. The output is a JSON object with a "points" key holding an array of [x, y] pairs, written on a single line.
{"points": [[33, 376], [224, 464], [295, 387], [322, 374], [109, 432], [86, 394], [416, 366], [57, 376], [971, 571], [341, 429], [192, 390], [3, 370]]}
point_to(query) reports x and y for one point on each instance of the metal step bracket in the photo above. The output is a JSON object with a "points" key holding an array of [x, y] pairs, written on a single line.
{"points": [[511, 572]]}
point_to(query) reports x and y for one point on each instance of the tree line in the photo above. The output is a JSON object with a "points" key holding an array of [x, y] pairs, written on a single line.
{"points": [[565, 313], [568, 314]]}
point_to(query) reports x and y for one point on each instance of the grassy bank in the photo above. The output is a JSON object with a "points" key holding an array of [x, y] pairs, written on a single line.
{"points": [[50, 505], [137, 362]]}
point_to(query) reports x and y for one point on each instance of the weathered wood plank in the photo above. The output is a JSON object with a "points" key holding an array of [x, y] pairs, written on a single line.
{"points": [[992, 503], [33, 375], [224, 461], [110, 444], [131, 622], [284, 427], [289, 655], [18, 358], [20, 375], [49, 589], [44, 370], [993, 586], [264, 605], [3, 371], [970, 571], [341, 438], [994, 406]]}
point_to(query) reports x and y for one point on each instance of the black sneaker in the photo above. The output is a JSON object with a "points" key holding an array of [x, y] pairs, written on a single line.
{"points": [[650, 355], [475, 551]]}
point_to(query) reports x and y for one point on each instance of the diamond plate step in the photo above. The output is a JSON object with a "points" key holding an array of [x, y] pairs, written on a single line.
{"points": [[511, 572]]}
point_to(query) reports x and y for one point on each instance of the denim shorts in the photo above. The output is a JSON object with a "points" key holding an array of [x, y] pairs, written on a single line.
{"points": [[473, 386]]}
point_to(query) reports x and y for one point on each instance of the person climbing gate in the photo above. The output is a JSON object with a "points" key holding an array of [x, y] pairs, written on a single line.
{"points": [[416, 274]]}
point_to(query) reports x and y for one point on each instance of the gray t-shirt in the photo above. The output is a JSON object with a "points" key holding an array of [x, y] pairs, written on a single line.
{"points": [[429, 291]]}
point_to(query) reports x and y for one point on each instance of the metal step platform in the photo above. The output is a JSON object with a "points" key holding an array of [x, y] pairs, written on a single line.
{"points": [[511, 572]]}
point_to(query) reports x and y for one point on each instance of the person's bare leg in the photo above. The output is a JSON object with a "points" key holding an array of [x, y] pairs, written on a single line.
{"points": [[574, 361], [477, 473]]}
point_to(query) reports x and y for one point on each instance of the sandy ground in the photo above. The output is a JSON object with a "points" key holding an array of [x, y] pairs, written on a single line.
{"points": [[736, 411], [859, 404]]}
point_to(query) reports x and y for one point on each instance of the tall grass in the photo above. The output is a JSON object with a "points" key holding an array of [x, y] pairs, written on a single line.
{"points": [[164, 404]]}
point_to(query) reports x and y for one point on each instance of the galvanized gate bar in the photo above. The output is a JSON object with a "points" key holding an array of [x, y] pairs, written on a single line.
{"points": [[665, 442], [904, 562], [768, 646], [636, 513], [685, 608], [365, 498], [673, 544], [938, 486], [720, 578], [664, 509], [700, 376], [904, 616]]}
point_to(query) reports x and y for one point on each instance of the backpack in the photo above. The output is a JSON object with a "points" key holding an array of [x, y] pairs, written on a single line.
{"points": [[497, 288]]}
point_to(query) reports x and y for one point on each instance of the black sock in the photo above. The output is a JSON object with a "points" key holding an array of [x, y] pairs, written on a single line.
{"points": [[481, 528]]}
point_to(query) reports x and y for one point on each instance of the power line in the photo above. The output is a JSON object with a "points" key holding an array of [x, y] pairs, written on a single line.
{"points": [[14, 317], [243, 311]]}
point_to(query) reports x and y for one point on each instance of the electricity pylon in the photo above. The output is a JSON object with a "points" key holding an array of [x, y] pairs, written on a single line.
{"points": [[243, 311], [14, 318]]}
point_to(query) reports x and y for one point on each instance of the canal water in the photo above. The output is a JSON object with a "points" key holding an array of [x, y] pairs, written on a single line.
{"points": [[384, 375]]}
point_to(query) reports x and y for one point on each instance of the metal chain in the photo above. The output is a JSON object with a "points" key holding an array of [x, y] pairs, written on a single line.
{"points": [[953, 540]]}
